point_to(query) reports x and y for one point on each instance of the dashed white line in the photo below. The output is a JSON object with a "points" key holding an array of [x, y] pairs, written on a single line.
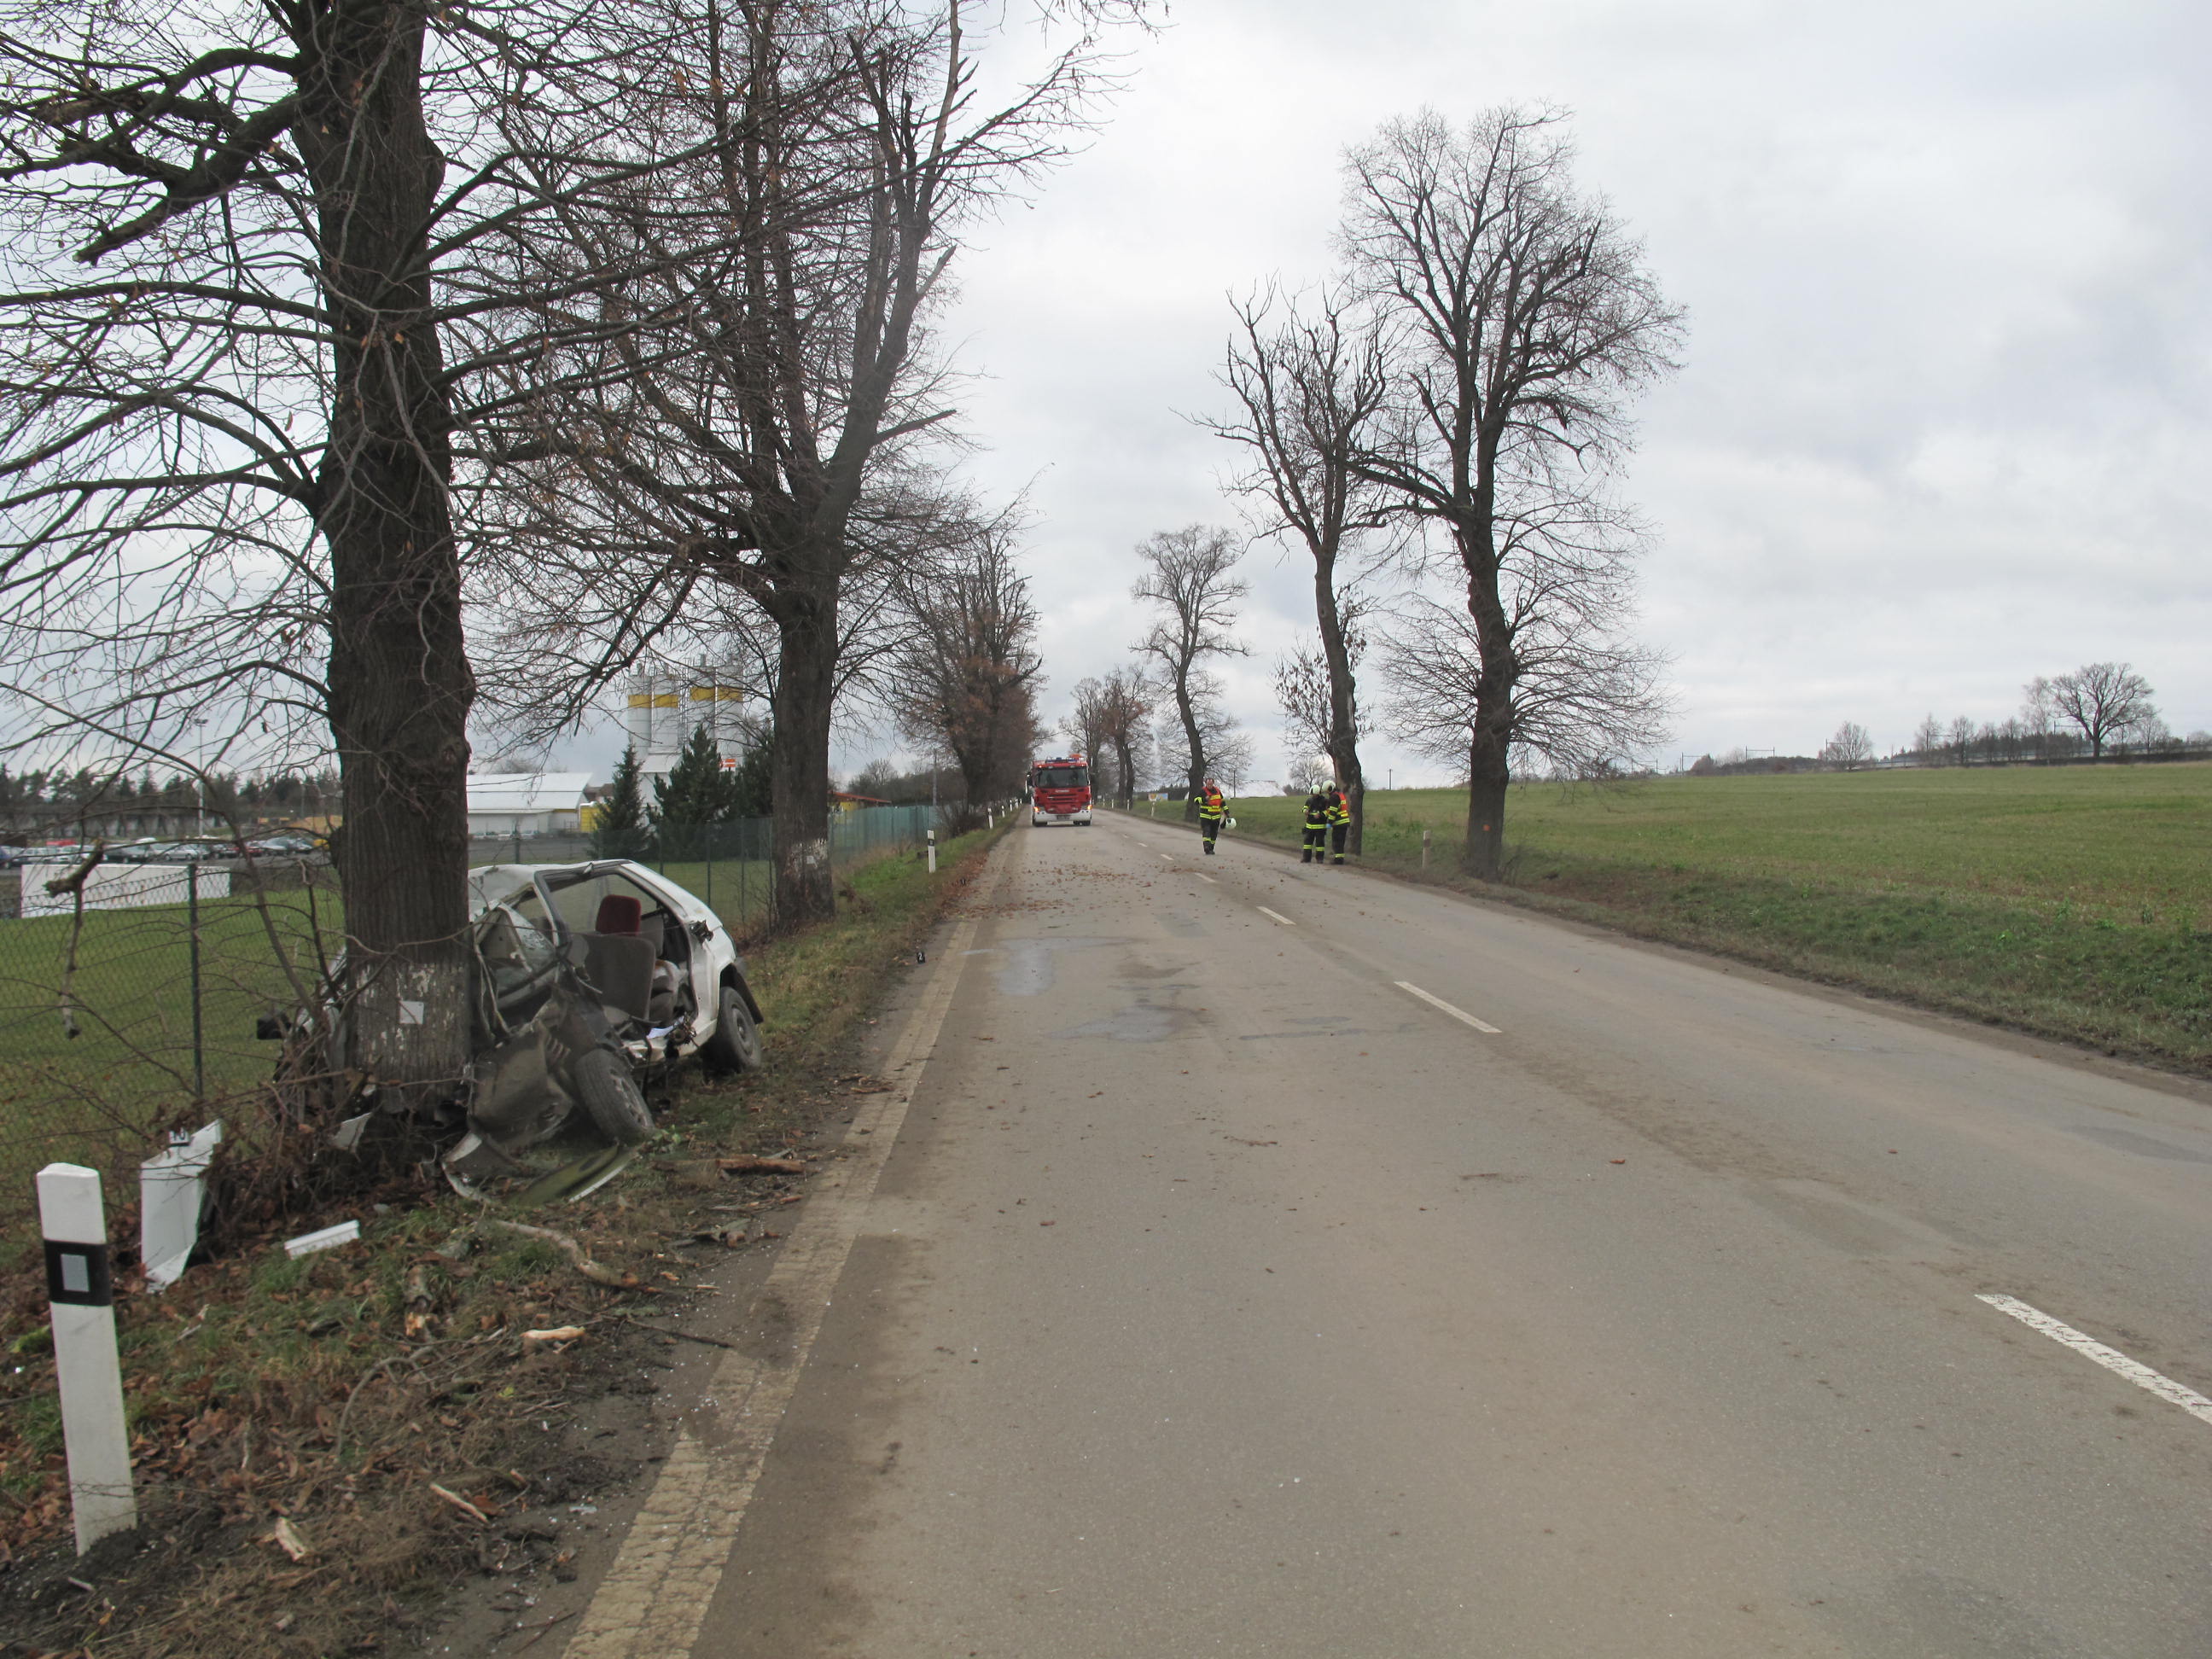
{"points": [[1170, 857], [1264, 911], [2111, 1358], [1438, 1002], [1207, 879]]}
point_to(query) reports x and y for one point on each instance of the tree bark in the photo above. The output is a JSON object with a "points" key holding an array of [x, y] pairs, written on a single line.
{"points": [[400, 686], [1343, 727], [798, 758], [1482, 855], [1194, 777], [1490, 745]]}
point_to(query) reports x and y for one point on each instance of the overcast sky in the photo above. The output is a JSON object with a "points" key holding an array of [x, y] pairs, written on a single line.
{"points": [[1943, 420]]}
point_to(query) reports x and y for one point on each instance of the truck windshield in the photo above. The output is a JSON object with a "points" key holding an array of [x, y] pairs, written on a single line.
{"points": [[1063, 777]]}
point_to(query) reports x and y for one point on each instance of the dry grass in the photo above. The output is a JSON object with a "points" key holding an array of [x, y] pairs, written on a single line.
{"points": [[335, 1391]]}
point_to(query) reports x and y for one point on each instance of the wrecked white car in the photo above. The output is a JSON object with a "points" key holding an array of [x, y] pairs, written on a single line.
{"points": [[583, 978], [586, 974]]}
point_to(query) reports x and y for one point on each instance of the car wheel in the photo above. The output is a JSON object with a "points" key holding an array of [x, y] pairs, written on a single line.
{"points": [[611, 1097], [735, 1044]]}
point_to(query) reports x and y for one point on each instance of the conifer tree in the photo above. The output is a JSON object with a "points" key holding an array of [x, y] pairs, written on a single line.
{"points": [[620, 830], [749, 784], [695, 794]]}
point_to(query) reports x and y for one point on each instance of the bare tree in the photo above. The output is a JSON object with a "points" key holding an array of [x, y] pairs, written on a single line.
{"points": [[1586, 706], [1187, 577], [1084, 728], [1302, 692], [2104, 701], [965, 681], [1521, 320], [1849, 749], [1125, 707], [1216, 731], [267, 269], [1230, 759], [1307, 392], [764, 436], [1928, 741]]}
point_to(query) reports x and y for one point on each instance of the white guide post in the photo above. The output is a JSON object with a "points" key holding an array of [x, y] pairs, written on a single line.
{"points": [[1425, 849], [80, 1286], [933, 851]]}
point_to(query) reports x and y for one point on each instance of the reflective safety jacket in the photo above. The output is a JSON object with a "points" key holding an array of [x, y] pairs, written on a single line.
{"points": [[1340, 807], [1317, 810], [1210, 804]]}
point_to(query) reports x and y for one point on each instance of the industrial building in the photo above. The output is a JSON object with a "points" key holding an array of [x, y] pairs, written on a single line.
{"points": [[527, 803], [666, 707]]}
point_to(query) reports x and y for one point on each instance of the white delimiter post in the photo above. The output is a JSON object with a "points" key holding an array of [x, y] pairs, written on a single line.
{"points": [[933, 851], [80, 1287]]}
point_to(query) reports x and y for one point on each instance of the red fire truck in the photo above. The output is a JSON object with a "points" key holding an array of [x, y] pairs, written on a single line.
{"points": [[1060, 791]]}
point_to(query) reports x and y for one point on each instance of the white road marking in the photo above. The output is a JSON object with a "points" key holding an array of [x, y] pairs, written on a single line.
{"points": [[1170, 857], [1207, 879], [1438, 1002], [654, 1600], [1264, 911], [2111, 1358]]}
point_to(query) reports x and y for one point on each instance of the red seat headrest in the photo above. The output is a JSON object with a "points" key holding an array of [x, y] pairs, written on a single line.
{"points": [[619, 913]]}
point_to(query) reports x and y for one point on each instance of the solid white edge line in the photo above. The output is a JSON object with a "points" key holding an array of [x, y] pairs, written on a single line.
{"points": [[1438, 1002], [1264, 911], [2111, 1358]]}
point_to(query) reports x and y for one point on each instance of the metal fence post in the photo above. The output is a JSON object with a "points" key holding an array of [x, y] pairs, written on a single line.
{"points": [[192, 929]]}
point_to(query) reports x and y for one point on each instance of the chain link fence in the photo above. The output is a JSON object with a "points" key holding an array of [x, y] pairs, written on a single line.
{"points": [[131, 1004], [135, 1010], [731, 866]]}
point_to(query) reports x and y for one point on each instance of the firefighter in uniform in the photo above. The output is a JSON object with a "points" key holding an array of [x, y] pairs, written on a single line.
{"points": [[1340, 822], [1314, 849], [1212, 809]]}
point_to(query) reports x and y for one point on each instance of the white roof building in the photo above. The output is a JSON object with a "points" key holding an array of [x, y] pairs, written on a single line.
{"points": [[527, 803]]}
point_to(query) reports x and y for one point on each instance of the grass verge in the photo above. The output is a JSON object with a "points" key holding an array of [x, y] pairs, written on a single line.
{"points": [[2073, 903], [339, 1392]]}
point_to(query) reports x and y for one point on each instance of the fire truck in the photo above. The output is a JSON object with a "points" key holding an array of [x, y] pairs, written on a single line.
{"points": [[1060, 791]]}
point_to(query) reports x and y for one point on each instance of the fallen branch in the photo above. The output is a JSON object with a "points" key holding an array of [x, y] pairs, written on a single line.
{"points": [[746, 1164], [598, 1273], [462, 1505]]}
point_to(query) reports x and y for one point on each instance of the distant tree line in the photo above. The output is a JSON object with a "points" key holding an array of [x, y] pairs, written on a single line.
{"points": [[2099, 710], [48, 799]]}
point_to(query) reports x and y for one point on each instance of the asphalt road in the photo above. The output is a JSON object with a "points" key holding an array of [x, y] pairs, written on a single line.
{"points": [[1221, 1295]]}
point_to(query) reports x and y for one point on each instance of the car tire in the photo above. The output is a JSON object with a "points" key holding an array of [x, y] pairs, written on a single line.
{"points": [[735, 1044], [611, 1098]]}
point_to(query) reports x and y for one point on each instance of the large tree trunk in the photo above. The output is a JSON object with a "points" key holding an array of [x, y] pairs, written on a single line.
{"points": [[1343, 722], [400, 686], [1490, 745], [798, 759], [1194, 778], [1483, 854]]}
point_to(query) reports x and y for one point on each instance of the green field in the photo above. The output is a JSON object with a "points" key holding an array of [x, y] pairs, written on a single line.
{"points": [[2074, 901], [131, 1062]]}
